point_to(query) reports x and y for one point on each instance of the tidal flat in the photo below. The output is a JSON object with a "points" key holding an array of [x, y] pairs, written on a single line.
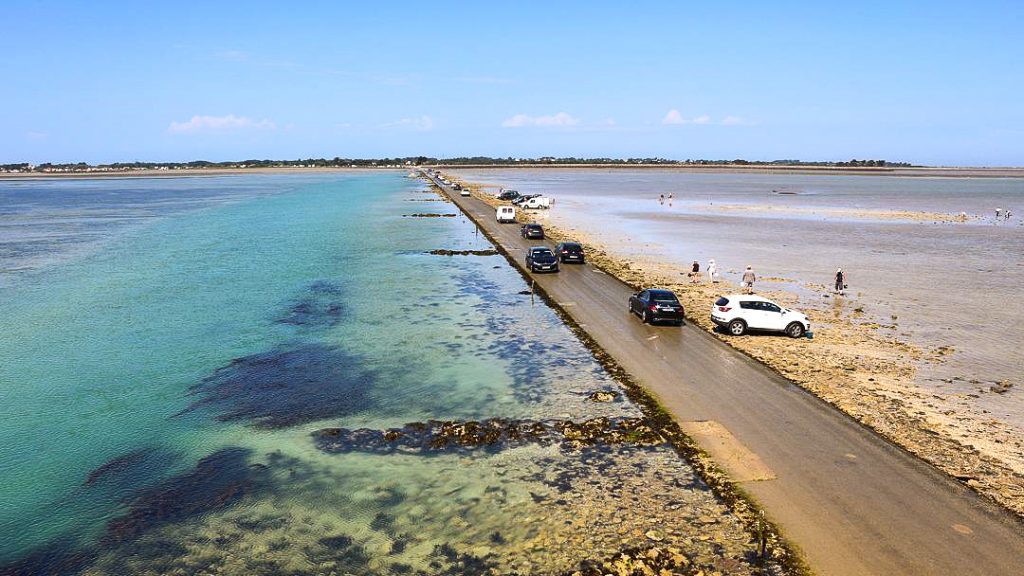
{"points": [[178, 387]]}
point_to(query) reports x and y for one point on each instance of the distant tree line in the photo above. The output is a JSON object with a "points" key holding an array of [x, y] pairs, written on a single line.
{"points": [[338, 162]]}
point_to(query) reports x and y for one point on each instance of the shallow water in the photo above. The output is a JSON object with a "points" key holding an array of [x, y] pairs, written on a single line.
{"points": [[161, 388], [942, 284]]}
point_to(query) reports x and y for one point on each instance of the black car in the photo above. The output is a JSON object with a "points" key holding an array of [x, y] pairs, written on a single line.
{"points": [[570, 252], [532, 231], [541, 259], [523, 198], [654, 305], [508, 195]]}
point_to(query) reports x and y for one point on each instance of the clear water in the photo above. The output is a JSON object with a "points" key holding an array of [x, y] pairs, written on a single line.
{"points": [[293, 303]]}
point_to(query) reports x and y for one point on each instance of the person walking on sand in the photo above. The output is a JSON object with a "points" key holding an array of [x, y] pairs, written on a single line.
{"points": [[748, 280], [695, 273], [661, 198], [840, 281], [712, 271], [999, 212]]}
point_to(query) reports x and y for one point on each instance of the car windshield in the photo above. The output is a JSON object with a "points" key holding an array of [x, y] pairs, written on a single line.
{"points": [[542, 252], [571, 247], [533, 226]]}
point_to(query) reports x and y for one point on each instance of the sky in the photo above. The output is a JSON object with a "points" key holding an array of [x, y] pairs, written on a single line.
{"points": [[937, 83]]}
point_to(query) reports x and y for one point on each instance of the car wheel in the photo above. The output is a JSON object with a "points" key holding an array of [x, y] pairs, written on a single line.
{"points": [[795, 330], [737, 327], [646, 317]]}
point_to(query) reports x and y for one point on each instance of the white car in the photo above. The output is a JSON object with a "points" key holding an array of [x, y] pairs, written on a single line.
{"points": [[738, 313], [464, 192]]}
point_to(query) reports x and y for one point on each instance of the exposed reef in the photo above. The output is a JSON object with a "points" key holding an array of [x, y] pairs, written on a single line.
{"points": [[464, 252], [491, 435], [428, 215]]}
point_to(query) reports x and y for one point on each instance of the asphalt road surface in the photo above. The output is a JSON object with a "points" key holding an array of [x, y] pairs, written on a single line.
{"points": [[853, 503]]}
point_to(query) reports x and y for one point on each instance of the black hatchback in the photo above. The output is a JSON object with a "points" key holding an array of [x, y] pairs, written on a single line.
{"points": [[570, 252], [532, 231], [656, 305], [540, 259]]}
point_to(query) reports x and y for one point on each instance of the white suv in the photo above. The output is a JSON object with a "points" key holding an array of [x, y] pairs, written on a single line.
{"points": [[738, 313]]}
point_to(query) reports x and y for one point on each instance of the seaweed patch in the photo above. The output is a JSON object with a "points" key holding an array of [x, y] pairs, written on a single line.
{"points": [[320, 306], [131, 467], [428, 215], [216, 481], [287, 386], [491, 435]]}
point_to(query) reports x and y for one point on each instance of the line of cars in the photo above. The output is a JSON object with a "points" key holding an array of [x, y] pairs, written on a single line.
{"points": [[737, 314]]}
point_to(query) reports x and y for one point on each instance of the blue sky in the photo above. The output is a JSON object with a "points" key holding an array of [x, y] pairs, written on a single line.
{"points": [[925, 82]]}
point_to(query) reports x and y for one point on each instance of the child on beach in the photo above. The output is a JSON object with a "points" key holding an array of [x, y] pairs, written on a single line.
{"points": [[748, 280], [712, 271]]}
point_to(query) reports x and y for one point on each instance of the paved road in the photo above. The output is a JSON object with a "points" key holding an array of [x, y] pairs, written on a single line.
{"points": [[853, 503]]}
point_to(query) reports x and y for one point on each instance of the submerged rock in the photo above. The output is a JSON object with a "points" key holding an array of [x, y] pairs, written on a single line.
{"points": [[287, 386], [428, 215], [491, 435], [132, 468]]}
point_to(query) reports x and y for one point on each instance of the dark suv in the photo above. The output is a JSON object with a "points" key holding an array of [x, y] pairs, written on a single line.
{"points": [[532, 231], [653, 305], [570, 252], [508, 195], [541, 259]]}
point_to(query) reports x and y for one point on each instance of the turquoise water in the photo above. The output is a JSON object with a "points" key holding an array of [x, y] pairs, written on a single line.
{"points": [[160, 388]]}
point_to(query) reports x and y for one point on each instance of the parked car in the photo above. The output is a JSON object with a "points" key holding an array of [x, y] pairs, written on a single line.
{"points": [[532, 231], [523, 198], [505, 214], [456, 186], [654, 305], [508, 195], [570, 252], [464, 192], [738, 313], [541, 259], [537, 202]]}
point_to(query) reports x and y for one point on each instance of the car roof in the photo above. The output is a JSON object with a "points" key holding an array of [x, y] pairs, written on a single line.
{"points": [[539, 248], [661, 292], [748, 298], [532, 225]]}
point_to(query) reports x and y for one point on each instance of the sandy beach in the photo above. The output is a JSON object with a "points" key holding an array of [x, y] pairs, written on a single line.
{"points": [[911, 387]]}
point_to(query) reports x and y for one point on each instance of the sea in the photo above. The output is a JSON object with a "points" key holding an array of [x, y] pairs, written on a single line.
{"points": [[198, 375]]}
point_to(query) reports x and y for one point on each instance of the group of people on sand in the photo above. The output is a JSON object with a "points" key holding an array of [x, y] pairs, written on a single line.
{"points": [[1003, 214], [749, 277], [662, 198]]}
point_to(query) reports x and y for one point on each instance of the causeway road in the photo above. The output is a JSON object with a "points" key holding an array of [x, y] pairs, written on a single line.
{"points": [[854, 504]]}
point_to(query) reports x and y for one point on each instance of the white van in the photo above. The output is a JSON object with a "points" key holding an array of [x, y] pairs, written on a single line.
{"points": [[506, 214]]}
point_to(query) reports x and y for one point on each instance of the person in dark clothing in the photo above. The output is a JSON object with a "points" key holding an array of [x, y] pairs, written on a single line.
{"points": [[840, 281]]}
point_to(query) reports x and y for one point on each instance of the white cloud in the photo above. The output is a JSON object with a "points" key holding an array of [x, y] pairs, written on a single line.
{"points": [[422, 123], [674, 117], [37, 135], [232, 55], [522, 120], [609, 122], [218, 124]]}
